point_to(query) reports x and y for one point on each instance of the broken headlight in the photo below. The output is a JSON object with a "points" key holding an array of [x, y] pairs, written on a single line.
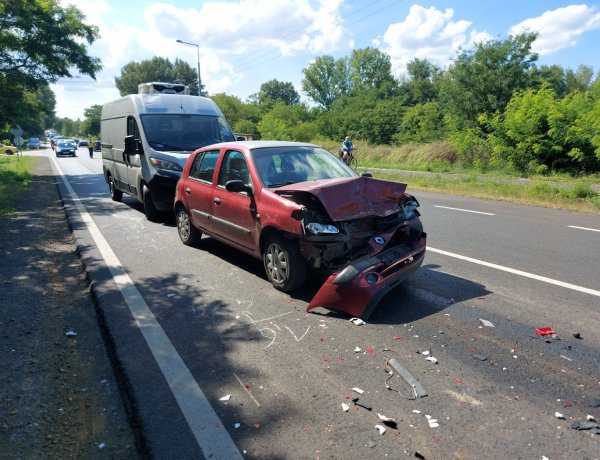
{"points": [[316, 228], [409, 208]]}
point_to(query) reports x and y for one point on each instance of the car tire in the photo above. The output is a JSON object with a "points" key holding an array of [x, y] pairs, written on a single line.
{"points": [[115, 194], [188, 234], [149, 207], [284, 265]]}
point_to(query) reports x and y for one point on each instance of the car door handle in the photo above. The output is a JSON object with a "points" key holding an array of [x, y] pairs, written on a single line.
{"points": [[187, 190], [217, 200]]}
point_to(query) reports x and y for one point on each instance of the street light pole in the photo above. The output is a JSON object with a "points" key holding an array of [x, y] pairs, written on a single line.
{"points": [[198, 50]]}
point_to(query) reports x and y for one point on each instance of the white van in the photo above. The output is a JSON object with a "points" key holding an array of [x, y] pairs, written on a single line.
{"points": [[147, 137]]}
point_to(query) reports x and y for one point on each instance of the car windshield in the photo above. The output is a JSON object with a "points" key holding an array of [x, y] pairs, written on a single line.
{"points": [[182, 132], [66, 144], [278, 166]]}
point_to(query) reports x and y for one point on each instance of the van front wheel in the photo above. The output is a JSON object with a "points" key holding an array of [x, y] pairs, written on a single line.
{"points": [[149, 207], [115, 194]]}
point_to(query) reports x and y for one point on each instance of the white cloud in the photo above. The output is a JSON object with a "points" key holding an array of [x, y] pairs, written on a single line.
{"points": [[428, 33], [560, 28]]}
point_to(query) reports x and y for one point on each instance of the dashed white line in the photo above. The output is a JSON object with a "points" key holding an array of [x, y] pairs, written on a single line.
{"points": [[584, 228], [466, 210], [573, 287], [212, 438]]}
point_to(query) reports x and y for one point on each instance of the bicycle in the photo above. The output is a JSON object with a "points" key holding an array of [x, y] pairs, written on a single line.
{"points": [[351, 161]]}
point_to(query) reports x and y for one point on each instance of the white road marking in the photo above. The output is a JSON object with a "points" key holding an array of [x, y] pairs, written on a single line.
{"points": [[584, 228], [211, 436], [466, 210], [573, 287]]}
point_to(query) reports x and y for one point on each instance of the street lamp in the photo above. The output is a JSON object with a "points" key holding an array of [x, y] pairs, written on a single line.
{"points": [[198, 50]]}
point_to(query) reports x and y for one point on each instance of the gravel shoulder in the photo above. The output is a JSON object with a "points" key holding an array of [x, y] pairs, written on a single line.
{"points": [[59, 396]]}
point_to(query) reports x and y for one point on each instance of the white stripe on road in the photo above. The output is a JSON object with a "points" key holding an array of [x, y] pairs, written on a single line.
{"points": [[584, 228], [466, 210], [574, 287], [212, 438]]}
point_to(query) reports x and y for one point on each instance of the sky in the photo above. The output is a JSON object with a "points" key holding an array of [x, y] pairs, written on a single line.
{"points": [[245, 43]]}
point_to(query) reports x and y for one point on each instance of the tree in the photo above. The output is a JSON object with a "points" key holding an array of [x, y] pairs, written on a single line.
{"points": [[483, 80], [156, 69], [91, 124], [274, 90], [422, 85], [40, 41], [326, 80], [288, 123], [370, 68]]}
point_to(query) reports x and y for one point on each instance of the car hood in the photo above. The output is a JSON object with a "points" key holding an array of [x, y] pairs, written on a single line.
{"points": [[351, 197]]}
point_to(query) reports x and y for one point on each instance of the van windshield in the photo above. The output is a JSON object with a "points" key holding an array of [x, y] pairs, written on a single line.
{"points": [[183, 132]]}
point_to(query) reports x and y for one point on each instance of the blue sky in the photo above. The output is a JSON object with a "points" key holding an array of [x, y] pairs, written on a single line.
{"points": [[244, 43]]}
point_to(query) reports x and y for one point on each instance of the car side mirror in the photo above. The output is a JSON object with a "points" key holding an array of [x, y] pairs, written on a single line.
{"points": [[238, 186], [240, 138], [367, 175]]}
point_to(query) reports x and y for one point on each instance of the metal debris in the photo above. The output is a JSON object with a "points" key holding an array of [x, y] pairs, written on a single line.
{"points": [[417, 388]]}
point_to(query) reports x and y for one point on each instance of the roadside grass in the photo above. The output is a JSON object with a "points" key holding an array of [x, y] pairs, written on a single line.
{"points": [[435, 167], [15, 176]]}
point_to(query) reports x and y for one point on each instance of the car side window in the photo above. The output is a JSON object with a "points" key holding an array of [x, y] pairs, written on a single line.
{"points": [[234, 167], [203, 167]]}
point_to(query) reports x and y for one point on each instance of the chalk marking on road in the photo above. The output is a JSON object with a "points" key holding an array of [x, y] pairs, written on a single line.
{"points": [[211, 436], [584, 228], [465, 210], [573, 287]]}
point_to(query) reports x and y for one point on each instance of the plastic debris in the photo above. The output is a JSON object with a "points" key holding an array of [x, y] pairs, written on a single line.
{"points": [[345, 407], [590, 418], [357, 321], [417, 388], [486, 323], [433, 423], [559, 415], [480, 357], [566, 357], [432, 359], [225, 398], [577, 335], [416, 411], [584, 425], [101, 446], [389, 421], [237, 425], [426, 352], [544, 331], [358, 390], [357, 350], [381, 429], [594, 402], [358, 402], [71, 333], [171, 295]]}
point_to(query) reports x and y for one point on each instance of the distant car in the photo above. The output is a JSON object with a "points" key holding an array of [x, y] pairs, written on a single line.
{"points": [[83, 143], [65, 147], [97, 146], [298, 208], [7, 149], [33, 143]]}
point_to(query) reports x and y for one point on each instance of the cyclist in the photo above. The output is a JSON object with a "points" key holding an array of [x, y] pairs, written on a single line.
{"points": [[346, 150]]}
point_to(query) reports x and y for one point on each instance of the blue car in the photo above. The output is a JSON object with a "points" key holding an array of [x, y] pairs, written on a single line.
{"points": [[33, 143], [65, 147]]}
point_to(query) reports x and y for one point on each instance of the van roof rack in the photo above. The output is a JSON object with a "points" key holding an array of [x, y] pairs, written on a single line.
{"points": [[162, 88]]}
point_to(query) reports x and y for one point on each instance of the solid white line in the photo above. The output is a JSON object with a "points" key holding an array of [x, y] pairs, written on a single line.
{"points": [[212, 438], [518, 272], [584, 228], [466, 210]]}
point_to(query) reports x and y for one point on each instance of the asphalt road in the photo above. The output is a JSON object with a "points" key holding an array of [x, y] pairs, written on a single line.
{"points": [[193, 325]]}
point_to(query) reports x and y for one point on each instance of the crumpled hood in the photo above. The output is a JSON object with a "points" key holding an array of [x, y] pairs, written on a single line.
{"points": [[352, 197]]}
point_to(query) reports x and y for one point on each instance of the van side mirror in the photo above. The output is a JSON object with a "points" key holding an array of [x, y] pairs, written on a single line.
{"points": [[129, 145]]}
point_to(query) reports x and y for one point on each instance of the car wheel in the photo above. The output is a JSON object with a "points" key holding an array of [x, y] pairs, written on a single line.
{"points": [[115, 194], [9, 152], [149, 207], [284, 265], [188, 234]]}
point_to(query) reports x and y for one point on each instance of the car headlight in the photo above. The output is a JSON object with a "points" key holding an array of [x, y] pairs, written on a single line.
{"points": [[409, 208], [322, 229], [164, 164]]}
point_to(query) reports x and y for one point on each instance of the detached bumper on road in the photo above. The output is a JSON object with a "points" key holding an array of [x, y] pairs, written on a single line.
{"points": [[358, 288]]}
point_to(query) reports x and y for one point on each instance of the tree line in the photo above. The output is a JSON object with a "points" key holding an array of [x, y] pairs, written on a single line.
{"points": [[494, 104]]}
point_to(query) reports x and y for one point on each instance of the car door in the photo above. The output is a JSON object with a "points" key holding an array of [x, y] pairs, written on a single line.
{"points": [[234, 214], [133, 161], [198, 189]]}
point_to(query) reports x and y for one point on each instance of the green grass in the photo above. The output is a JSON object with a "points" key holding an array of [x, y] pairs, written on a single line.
{"points": [[15, 176]]}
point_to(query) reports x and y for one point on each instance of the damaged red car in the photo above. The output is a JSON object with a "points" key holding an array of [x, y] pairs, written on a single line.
{"points": [[297, 207]]}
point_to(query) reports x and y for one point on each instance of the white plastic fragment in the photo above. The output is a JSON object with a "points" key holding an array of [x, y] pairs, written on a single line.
{"points": [[358, 390], [357, 321], [71, 333], [170, 295], [237, 425], [101, 446], [426, 352], [357, 350], [433, 423], [432, 359], [225, 398], [590, 418], [486, 323], [416, 411], [381, 429], [345, 407], [559, 415], [383, 418]]}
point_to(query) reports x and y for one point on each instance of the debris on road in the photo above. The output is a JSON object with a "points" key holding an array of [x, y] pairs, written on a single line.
{"points": [[544, 331], [594, 402], [358, 390], [417, 388], [559, 415], [486, 323], [479, 356], [357, 321], [389, 421], [577, 425], [432, 359], [358, 402], [357, 350], [381, 429], [225, 398], [566, 357], [577, 335], [433, 422], [345, 407], [71, 333], [237, 425]]}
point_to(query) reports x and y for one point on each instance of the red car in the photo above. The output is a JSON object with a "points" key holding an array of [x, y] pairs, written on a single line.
{"points": [[298, 208]]}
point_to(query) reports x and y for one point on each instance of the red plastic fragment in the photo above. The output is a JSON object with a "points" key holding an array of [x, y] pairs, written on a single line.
{"points": [[457, 379], [543, 331], [370, 350]]}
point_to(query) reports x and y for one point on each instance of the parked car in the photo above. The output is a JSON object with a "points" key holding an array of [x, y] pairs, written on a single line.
{"points": [[83, 143], [33, 143], [97, 146], [7, 149], [298, 207], [65, 147]]}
